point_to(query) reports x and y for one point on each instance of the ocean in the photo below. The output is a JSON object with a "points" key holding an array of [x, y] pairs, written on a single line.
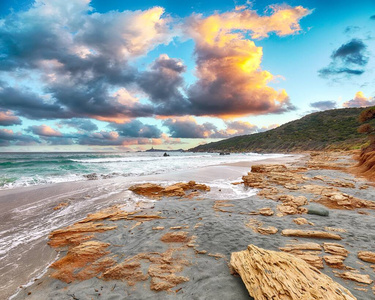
{"points": [[26, 169]]}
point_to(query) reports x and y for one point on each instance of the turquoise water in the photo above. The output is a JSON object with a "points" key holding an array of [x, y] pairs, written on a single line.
{"points": [[24, 169]]}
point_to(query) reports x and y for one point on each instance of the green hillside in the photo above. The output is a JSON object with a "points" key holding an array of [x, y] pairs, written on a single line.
{"points": [[331, 129]]}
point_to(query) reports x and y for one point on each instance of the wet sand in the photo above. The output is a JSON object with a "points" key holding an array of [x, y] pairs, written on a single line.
{"points": [[214, 228]]}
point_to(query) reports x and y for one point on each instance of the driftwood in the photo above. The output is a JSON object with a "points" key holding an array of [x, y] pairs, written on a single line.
{"points": [[278, 275]]}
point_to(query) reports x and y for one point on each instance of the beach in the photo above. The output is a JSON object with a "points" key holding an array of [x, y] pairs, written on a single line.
{"points": [[179, 247]]}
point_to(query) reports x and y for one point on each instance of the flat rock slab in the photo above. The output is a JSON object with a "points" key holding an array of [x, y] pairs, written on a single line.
{"points": [[278, 275]]}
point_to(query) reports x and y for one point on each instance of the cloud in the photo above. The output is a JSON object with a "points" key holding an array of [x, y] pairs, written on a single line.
{"points": [[8, 137], [79, 124], [323, 105], [80, 57], [187, 127], [359, 100], [7, 118], [44, 131], [162, 83], [348, 59], [136, 128], [372, 17], [230, 79]]}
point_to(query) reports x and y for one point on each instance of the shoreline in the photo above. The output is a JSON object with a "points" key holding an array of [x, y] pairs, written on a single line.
{"points": [[25, 207], [213, 229]]}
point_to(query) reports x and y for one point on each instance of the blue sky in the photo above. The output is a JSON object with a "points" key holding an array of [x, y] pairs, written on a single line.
{"points": [[129, 75]]}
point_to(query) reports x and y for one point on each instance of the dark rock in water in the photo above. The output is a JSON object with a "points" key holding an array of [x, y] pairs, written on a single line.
{"points": [[165, 154], [224, 153], [92, 176], [316, 209]]}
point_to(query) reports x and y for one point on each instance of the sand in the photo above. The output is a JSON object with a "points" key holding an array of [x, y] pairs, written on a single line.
{"points": [[194, 238]]}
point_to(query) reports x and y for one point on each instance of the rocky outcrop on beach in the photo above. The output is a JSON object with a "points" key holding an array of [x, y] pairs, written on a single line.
{"points": [[180, 189], [292, 278]]}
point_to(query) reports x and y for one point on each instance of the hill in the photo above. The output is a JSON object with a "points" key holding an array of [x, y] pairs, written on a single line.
{"points": [[331, 129]]}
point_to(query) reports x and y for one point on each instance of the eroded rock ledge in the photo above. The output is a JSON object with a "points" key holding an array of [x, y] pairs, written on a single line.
{"points": [[278, 275]]}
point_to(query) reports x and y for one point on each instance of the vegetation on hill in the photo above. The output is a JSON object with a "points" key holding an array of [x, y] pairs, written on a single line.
{"points": [[327, 130]]}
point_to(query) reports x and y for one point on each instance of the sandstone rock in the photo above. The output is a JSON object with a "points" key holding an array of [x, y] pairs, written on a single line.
{"points": [[267, 230], [361, 278], [312, 260], [175, 190], [147, 189], [367, 256], [291, 279], [266, 211], [175, 237], [74, 234], [61, 205], [303, 246], [78, 258], [256, 226], [335, 229], [302, 221], [335, 249], [339, 200], [268, 168], [310, 234], [334, 261]]}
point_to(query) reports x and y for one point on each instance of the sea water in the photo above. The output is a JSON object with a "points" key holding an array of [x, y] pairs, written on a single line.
{"points": [[25, 169]]}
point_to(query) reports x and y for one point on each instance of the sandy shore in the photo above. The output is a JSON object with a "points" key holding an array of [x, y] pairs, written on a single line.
{"points": [[185, 248]]}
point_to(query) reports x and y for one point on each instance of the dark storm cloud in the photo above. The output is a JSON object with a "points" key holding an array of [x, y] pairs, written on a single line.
{"points": [[8, 138], [82, 57], [162, 82], [324, 105], [136, 128], [80, 124], [348, 59], [7, 118], [30, 105]]}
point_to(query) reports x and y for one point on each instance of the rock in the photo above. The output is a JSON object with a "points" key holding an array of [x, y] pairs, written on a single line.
{"points": [[175, 190], [302, 221], [74, 265], [267, 230], [312, 260], [339, 200], [147, 189], [277, 275], [335, 249], [92, 176], [334, 261], [268, 168], [266, 211], [256, 226], [61, 205], [303, 246], [314, 209], [335, 229], [367, 256], [361, 278], [175, 237], [310, 234], [254, 180]]}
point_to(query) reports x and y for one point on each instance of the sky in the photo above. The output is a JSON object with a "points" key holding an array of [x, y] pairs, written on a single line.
{"points": [[122, 75]]}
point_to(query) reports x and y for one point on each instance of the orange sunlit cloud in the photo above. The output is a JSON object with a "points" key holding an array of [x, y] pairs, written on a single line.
{"points": [[359, 100], [231, 82]]}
